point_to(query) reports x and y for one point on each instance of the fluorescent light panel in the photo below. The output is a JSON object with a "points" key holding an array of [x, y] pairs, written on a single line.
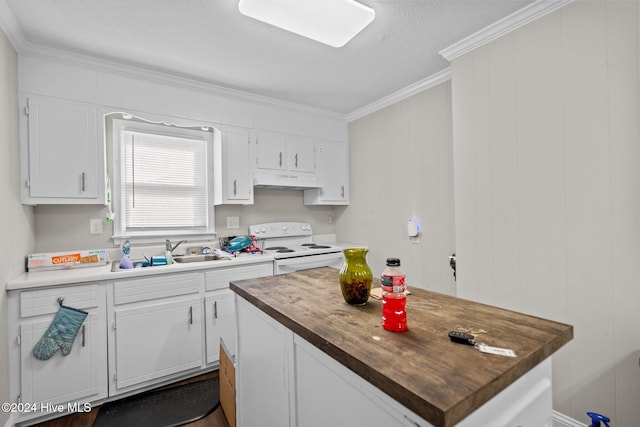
{"points": [[332, 22]]}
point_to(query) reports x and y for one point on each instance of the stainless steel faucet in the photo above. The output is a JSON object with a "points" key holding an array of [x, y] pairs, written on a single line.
{"points": [[173, 248]]}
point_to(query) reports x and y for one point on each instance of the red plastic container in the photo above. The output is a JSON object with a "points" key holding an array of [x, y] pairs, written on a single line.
{"points": [[394, 299]]}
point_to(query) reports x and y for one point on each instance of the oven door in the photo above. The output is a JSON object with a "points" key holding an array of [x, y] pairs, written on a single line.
{"points": [[289, 265]]}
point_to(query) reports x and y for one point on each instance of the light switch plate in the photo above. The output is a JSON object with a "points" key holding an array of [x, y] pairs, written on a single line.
{"points": [[233, 222], [95, 226]]}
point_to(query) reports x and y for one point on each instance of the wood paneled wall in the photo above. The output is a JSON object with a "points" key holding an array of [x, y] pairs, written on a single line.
{"points": [[547, 191]]}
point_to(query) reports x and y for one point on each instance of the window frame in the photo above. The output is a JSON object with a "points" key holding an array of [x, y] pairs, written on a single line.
{"points": [[126, 122]]}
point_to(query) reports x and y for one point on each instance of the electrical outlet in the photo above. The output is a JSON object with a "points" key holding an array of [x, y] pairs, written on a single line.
{"points": [[233, 222], [95, 226]]}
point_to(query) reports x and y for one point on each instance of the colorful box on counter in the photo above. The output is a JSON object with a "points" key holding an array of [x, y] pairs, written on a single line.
{"points": [[64, 260]]}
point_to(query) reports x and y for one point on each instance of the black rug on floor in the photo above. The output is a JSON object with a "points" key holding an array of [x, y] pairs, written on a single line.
{"points": [[162, 408]]}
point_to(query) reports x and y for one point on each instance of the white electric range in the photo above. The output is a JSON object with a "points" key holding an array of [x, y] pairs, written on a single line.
{"points": [[292, 246]]}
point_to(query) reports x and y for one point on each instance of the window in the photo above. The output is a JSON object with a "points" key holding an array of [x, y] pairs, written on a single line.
{"points": [[162, 181]]}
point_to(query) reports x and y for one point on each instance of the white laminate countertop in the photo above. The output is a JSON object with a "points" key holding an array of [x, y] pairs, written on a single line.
{"points": [[91, 274]]}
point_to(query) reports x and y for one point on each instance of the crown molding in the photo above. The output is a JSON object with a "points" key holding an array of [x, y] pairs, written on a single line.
{"points": [[10, 27], [413, 89], [162, 76], [535, 10]]}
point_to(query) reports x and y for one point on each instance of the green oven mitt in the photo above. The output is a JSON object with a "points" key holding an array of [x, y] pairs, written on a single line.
{"points": [[61, 333]]}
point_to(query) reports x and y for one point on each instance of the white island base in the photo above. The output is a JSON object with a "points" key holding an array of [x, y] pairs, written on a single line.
{"points": [[283, 380]]}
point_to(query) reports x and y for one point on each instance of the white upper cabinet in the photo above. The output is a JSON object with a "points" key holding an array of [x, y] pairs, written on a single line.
{"points": [[285, 160], [334, 175], [302, 154], [62, 152], [271, 151], [237, 179]]}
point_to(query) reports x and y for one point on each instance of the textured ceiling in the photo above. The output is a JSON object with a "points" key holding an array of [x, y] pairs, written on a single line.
{"points": [[210, 41]]}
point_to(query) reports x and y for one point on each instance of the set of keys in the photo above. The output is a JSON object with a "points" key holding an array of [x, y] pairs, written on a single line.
{"points": [[465, 338]]}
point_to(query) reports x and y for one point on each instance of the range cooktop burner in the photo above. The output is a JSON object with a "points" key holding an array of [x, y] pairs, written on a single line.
{"points": [[280, 251], [315, 246], [275, 248]]}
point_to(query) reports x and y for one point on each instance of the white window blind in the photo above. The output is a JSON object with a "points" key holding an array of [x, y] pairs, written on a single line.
{"points": [[165, 179]]}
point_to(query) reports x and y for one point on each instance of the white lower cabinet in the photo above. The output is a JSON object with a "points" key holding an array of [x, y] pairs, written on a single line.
{"points": [[157, 340], [317, 375], [69, 381], [220, 322], [263, 370], [220, 313], [156, 329], [140, 333]]}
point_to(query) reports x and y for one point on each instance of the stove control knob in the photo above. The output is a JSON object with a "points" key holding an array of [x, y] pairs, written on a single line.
{"points": [[284, 228], [263, 230]]}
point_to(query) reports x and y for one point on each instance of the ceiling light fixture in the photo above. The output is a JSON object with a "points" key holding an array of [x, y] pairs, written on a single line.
{"points": [[332, 22]]}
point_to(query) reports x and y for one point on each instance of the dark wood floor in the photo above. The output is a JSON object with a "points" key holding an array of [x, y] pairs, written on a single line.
{"points": [[215, 419]]}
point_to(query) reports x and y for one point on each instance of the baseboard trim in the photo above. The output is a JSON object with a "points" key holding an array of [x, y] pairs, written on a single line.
{"points": [[561, 420], [11, 422]]}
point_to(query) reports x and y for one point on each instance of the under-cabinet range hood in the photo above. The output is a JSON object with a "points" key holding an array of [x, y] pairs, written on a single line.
{"points": [[284, 180]]}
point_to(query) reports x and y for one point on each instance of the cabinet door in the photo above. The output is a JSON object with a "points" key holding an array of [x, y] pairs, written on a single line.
{"points": [[156, 340], [270, 150], [319, 378], [334, 163], [61, 379], [62, 150], [263, 369], [238, 183], [302, 152], [220, 323]]}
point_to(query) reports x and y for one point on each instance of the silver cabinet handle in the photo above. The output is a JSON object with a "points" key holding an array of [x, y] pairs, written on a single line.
{"points": [[280, 161], [215, 309], [235, 187], [83, 182], [191, 315], [342, 191], [83, 335], [296, 162]]}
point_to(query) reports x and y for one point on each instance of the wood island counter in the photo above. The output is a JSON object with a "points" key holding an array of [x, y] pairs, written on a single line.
{"points": [[307, 358]]}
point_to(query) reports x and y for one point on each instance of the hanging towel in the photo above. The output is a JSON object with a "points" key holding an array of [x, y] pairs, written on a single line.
{"points": [[61, 333]]}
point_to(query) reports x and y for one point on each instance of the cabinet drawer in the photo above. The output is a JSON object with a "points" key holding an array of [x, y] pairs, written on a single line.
{"points": [[45, 301], [155, 287], [220, 277]]}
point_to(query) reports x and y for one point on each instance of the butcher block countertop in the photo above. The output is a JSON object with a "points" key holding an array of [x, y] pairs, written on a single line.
{"points": [[425, 371]]}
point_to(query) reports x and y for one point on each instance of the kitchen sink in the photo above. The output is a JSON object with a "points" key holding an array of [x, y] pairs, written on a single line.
{"points": [[137, 263], [195, 258]]}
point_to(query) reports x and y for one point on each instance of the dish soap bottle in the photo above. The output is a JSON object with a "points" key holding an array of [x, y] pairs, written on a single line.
{"points": [[394, 299]]}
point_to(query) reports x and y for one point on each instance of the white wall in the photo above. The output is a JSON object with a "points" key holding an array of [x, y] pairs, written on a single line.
{"points": [[66, 227], [547, 179], [16, 227], [401, 167]]}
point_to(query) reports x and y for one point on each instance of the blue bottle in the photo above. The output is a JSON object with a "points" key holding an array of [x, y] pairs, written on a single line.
{"points": [[596, 419]]}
